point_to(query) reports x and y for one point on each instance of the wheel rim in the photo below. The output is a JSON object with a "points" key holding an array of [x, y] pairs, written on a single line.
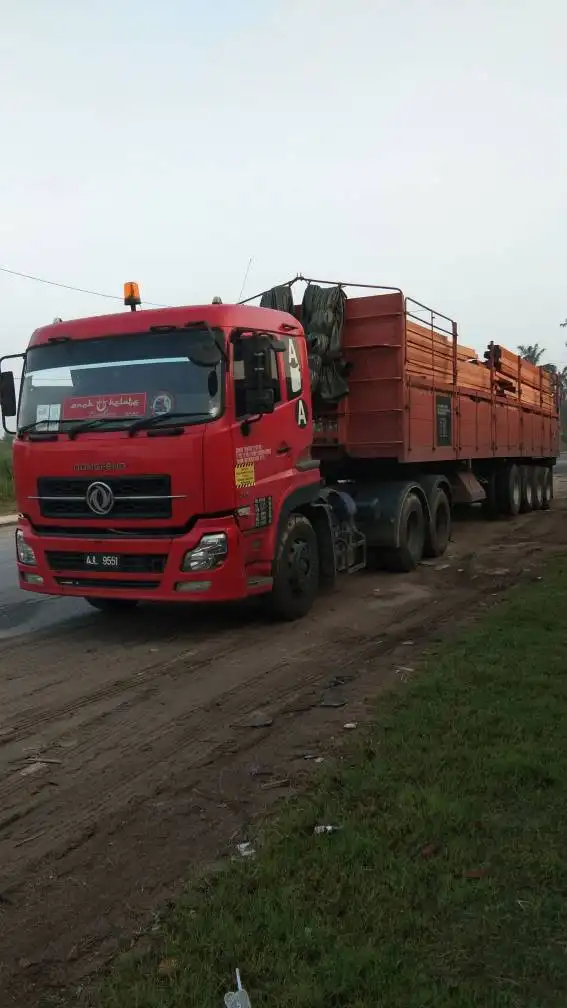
{"points": [[529, 494], [299, 566]]}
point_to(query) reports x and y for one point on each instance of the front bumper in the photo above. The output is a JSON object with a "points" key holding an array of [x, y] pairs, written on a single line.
{"points": [[150, 570]]}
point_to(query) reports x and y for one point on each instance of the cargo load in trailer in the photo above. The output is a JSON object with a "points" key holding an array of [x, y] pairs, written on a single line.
{"points": [[217, 452]]}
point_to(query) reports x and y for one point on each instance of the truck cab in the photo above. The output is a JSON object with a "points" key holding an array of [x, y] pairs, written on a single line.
{"points": [[159, 452]]}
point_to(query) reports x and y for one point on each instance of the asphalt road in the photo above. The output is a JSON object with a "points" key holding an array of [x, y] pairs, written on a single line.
{"points": [[25, 612]]}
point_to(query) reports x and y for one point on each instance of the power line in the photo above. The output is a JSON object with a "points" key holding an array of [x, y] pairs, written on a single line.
{"points": [[78, 290], [245, 278]]}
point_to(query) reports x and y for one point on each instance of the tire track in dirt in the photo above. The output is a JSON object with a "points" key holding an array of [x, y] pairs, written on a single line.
{"points": [[210, 715], [159, 775]]}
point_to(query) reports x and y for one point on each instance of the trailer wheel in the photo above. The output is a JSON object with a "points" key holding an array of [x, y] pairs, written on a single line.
{"points": [[528, 489], [547, 489], [509, 490], [112, 605], [296, 570], [412, 536], [538, 479], [438, 532]]}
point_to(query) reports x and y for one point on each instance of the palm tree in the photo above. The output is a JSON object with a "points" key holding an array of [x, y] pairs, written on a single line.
{"points": [[532, 353]]}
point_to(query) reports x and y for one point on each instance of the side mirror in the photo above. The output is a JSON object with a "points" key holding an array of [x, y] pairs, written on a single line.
{"points": [[8, 402], [260, 401]]}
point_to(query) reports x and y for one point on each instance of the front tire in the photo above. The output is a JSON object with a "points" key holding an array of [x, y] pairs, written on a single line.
{"points": [[296, 570], [112, 606]]}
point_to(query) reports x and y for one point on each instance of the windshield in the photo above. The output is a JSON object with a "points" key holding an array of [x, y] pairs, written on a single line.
{"points": [[118, 379]]}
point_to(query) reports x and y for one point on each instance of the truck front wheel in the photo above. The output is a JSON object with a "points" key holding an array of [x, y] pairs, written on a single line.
{"points": [[296, 570], [112, 605]]}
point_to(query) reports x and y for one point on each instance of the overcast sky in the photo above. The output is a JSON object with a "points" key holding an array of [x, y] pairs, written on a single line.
{"points": [[421, 143]]}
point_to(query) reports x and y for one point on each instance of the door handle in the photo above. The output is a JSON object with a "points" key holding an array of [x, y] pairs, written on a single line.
{"points": [[283, 449]]}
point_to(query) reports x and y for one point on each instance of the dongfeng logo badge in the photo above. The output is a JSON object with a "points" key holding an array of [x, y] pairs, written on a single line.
{"points": [[100, 498]]}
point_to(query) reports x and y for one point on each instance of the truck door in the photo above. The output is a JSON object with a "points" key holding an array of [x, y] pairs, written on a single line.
{"points": [[269, 453]]}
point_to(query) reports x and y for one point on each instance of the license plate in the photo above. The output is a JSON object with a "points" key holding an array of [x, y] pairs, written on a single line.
{"points": [[102, 561]]}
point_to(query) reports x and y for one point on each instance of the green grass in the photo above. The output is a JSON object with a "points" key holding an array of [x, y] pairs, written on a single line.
{"points": [[446, 884], [7, 500]]}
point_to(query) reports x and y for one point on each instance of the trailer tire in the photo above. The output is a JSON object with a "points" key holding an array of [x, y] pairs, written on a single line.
{"points": [[528, 489], [409, 552], [296, 570], [112, 606], [509, 490], [547, 489], [538, 478], [438, 531]]}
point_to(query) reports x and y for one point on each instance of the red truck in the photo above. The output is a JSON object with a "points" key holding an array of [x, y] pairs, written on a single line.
{"points": [[222, 451]]}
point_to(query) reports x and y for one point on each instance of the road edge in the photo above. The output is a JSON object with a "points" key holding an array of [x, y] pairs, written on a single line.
{"points": [[8, 520]]}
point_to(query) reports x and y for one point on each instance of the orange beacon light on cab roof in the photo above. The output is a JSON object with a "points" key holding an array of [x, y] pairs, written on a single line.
{"points": [[132, 295]]}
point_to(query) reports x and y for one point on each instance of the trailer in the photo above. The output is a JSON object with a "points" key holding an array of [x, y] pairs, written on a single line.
{"points": [[216, 452]]}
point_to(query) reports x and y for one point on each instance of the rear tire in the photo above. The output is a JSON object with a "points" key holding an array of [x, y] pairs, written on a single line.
{"points": [[528, 489], [539, 486], [438, 532], [547, 489], [412, 536], [296, 570], [112, 606], [509, 490]]}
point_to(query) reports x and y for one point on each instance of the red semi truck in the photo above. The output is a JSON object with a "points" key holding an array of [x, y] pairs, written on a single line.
{"points": [[223, 451]]}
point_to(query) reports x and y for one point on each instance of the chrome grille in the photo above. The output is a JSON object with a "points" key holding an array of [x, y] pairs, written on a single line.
{"points": [[136, 497]]}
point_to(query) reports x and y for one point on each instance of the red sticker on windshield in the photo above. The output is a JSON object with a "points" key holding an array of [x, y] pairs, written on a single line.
{"points": [[132, 404]]}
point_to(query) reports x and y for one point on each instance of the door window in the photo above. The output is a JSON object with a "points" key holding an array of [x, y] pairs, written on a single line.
{"points": [[242, 375]]}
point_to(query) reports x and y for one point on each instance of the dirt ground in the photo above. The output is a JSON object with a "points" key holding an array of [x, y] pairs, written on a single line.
{"points": [[132, 753]]}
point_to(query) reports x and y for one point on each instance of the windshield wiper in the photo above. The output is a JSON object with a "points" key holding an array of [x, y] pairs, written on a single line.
{"points": [[144, 423], [140, 424], [33, 426], [89, 424]]}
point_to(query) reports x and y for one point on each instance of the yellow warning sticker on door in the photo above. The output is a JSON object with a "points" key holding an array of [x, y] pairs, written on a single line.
{"points": [[245, 475]]}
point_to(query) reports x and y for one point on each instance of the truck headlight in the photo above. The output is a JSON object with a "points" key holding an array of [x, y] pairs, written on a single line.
{"points": [[25, 553], [209, 552]]}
